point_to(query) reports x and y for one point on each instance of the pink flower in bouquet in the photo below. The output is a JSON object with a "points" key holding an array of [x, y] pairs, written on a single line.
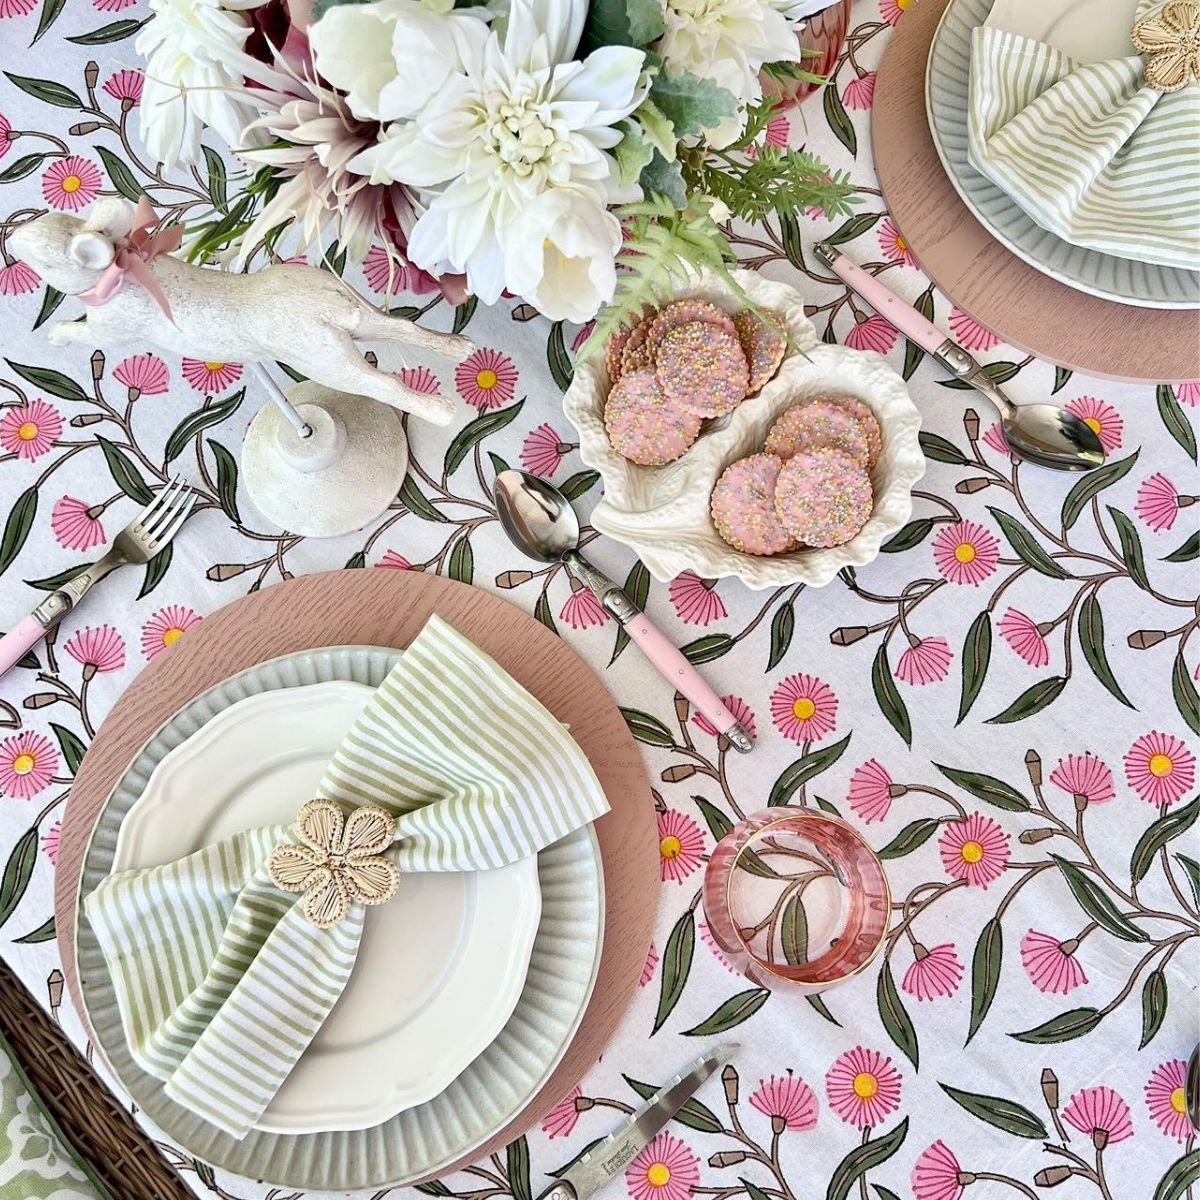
{"points": [[100, 649], [1160, 768], [487, 379], [28, 430], [144, 375], [927, 660], [50, 840], [561, 1119], [420, 379], [649, 965], [392, 561], [75, 526], [870, 794], [696, 600], [969, 333], [394, 273], [741, 711], [975, 850], [1100, 1113], [165, 628], [933, 972], [1051, 964], [860, 91], [211, 377], [665, 1170], [994, 437], [1166, 1098], [680, 845], [804, 708], [863, 1087], [788, 1101], [582, 610], [28, 762], [1025, 636], [936, 1174], [126, 86], [1086, 776], [71, 183], [966, 553], [871, 333], [543, 450], [1157, 502], [1188, 393], [1101, 418], [893, 244], [585, 332], [18, 278], [16, 8]]}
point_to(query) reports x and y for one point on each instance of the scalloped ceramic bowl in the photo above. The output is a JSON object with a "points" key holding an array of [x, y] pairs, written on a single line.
{"points": [[662, 512]]}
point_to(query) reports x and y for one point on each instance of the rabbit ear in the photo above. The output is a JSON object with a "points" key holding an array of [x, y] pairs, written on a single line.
{"points": [[92, 249], [111, 216]]}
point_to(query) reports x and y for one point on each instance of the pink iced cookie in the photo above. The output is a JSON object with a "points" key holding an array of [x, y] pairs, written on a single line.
{"points": [[867, 417], [702, 368], [683, 312], [816, 424], [823, 497], [643, 425], [743, 507], [763, 342], [635, 354]]}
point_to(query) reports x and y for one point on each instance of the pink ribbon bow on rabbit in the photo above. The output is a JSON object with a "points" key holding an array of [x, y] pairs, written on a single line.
{"points": [[132, 257]]}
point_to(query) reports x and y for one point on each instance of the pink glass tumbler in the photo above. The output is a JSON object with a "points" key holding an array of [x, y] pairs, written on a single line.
{"points": [[796, 899]]}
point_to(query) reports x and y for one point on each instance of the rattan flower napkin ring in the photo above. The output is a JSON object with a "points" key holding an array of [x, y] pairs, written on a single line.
{"points": [[339, 862], [1168, 40]]}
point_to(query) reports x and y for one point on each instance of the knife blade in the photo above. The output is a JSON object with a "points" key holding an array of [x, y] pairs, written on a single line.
{"points": [[610, 1157]]}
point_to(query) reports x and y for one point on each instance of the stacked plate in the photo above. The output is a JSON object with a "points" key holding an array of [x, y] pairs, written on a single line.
{"points": [[467, 990]]}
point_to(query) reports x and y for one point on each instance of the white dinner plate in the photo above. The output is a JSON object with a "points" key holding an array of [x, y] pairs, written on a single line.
{"points": [[1086, 30], [440, 967]]}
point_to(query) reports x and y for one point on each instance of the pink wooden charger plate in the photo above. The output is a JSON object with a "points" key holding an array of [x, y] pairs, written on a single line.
{"points": [[1014, 300], [388, 608]]}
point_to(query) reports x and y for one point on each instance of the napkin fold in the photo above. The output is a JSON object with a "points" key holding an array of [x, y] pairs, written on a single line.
{"points": [[221, 979], [1090, 151]]}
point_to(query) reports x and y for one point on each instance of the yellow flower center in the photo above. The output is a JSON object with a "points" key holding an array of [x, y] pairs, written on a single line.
{"points": [[670, 846], [971, 852], [1161, 765], [1092, 424], [27, 432], [72, 183], [902, 5], [1179, 1100], [658, 1175], [964, 552], [486, 379], [24, 763], [803, 709], [214, 367], [172, 635], [901, 244], [865, 1085]]}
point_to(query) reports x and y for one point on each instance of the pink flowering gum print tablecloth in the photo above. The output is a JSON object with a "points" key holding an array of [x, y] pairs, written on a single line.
{"points": [[1004, 703]]}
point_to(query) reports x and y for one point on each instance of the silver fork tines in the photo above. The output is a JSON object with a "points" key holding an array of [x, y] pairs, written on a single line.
{"points": [[162, 518]]}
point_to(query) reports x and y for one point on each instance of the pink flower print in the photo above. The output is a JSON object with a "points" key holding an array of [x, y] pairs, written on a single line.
{"points": [[561, 1119], [680, 845], [126, 86], [665, 1170], [28, 762], [893, 245], [165, 628], [804, 708], [742, 712], [1100, 1113], [934, 972], [6, 138], [975, 850], [927, 660], [420, 379], [1188, 393], [76, 524], [71, 183], [28, 430], [649, 965], [582, 610], [1050, 964], [994, 437], [1157, 502], [585, 332], [543, 450], [50, 840], [775, 135], [1101, 418], [1085, 777], [863, 1087], [1160, 768], [788, 1101], [487, 379], [18, 278], [696, 600], [392, 561], [211, 377], [381, 270], [1025, 636], [936, 1174], [872, 791], [871, 333], [892, 11], [143, 375], [860, 91], [968, 332], [966, 553], [16, 8], [1166, 1098], [100, 649], [706, 936], [113, 5]]}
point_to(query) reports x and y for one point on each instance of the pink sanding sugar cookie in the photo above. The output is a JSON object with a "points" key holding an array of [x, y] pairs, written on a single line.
{"points": [[823, 497], [743, 507], [683, 312], [644, 425], [764, 343], [702, 368], [867, 417], [817, 424]]}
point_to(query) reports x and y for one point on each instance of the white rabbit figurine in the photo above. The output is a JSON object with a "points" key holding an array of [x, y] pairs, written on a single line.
{"points": [[297, 315]]}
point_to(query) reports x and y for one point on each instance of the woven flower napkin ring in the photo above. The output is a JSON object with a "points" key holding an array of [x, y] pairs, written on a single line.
{"points": [[1169, 42], [339, 861]]}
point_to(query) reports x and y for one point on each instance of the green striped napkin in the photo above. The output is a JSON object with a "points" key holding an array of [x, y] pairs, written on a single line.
{"points": [[221, 979], [1089, 151]]}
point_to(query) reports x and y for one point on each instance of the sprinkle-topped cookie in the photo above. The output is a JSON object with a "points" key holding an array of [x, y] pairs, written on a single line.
{"points": [[870, 424], [819, 423], [823, 497], [645, 426], [763, 342], [743, 507], [635, 354], [702, 368], [683, 312], [613, 350]]}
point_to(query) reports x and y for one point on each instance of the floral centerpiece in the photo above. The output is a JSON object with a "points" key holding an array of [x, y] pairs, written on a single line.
{"points": [[576, 154]]}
